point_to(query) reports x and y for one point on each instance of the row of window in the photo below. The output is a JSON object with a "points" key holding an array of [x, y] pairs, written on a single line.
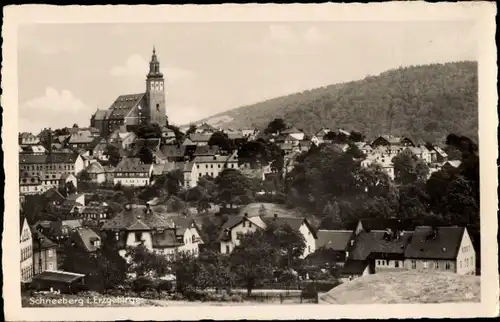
{"points": [[48, 167], [26, 273], [139, 181], [132, 174], [468, 262], [26, 253], [466, 249]]}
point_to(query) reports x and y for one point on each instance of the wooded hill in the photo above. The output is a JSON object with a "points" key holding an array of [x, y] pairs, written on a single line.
{"points": [[427, 102]]}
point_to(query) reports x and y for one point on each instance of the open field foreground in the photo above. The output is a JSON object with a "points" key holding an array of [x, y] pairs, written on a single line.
{"points": [[406, 288]]}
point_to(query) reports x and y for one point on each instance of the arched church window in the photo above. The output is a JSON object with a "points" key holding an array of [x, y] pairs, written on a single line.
{"points": [[157, 107]]}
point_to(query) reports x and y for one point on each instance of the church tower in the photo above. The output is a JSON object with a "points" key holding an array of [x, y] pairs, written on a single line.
{"points": [[155, 93]]}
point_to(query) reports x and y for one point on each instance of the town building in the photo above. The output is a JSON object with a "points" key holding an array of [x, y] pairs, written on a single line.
{"points": [[214, 165], [44, 253], [85, 239], [135, 109], [50, 167], [156, 231], [132, 172], [26, 246]]}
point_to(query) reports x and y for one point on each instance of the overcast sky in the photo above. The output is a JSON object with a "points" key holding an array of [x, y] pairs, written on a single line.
{"points": [[67, 71]]}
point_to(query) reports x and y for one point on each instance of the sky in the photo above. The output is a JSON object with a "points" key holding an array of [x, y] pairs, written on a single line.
{"points": [[67, 71]]}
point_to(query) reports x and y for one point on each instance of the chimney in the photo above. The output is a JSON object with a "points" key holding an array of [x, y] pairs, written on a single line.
{"points": [[246, 214]]}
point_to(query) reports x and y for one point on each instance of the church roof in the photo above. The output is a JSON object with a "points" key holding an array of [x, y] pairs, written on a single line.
{"points": [[124, 104], [100, 115]]}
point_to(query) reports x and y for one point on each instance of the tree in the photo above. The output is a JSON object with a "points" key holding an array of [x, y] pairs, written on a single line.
{"points": [[408, 168], [254, 153], [187, 271], [275, 126], [173, 182], [231, 186], [113, 154], [148, 131], [146, 155], [216, 269], [253, 260], [356, 136], [146, 263], [289, 242], [192, 129], [223, 141], [75, 126], [331, 216]]}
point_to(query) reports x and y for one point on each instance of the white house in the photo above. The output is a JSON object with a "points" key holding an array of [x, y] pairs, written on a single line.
{"points": [[26, 245], [132, 172], [213, 165]]}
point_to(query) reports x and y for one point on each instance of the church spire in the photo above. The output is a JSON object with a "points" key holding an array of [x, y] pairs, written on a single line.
{"points": [[154, 65]]}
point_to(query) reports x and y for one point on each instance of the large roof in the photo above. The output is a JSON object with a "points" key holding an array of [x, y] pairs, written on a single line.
{"points": [[95, 167], [173, 151], [58, 276], [100, 115], [336, 240], [444, 245], [199, 137], [84, 238], [138, 219], [47, 158], [123, 105], [40, 240], [132, 165], [204, 150]]}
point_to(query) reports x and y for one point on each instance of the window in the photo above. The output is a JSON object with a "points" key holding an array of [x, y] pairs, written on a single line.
{"points": [[249, 224], [426, 265], [244, 223], [211, 166], [157, 107], [436, 264], [447, 265], [51, 265], [396, 263], [197, 166], [460, 264], [413, 264], [50, 253], [192, 239], [218, 166], [138, 236], [227, 249]]}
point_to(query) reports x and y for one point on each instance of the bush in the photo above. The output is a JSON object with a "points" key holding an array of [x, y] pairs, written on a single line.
{"points": [[150, 294], [165, 286], [177, 297], [236, 298], [141, 284]]}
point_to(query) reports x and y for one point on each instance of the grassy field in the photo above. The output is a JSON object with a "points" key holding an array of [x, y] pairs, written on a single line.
{"points": [[406, 287]]}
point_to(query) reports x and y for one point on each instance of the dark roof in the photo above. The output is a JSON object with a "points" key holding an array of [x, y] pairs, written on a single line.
{"points": [[337, 240], [230, 223], [132, 165], [150, 144], [99, 115], [206, 150], [58, 276], [83, 238], [445, 245], [123, 105], [382, 224], [45, 242], [172, 151], [199, 137], [53, 194], [44, 158], [137, 219], [368, 243]]}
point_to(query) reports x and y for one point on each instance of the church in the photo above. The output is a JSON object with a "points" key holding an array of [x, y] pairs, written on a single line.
{"points": [[134, 109]]}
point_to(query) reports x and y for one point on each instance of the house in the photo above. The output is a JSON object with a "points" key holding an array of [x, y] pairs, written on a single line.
{"points": [[451, 164], [336, 242], [110, 174], [390, 140], [205, 128], [187, 229], [441, 249], [50, 167], [29, 185], [305, 145], [190, 173], [168, 136], [94, 212], [421, 152], [144, 226], [59, 281], [441, 155], [82, 139], [213, 165], [298, 224], [188, 142], [364, 147], [199, 138], [122, 138], [174, 152], [53, 196], [61, 229], [293, 132], [96, 172], [98, 150], [235, 226], [26, 138], [206, 150], [33, 149], [44, 253], [85, 239], [26, 246], [67, 178], [318, 138], [250, 134], [381, 160], [132, 172]]}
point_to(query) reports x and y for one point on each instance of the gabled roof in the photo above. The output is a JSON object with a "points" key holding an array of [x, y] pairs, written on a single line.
{"points": [[204, 150], [294, 222], [82, 137], [173, 150], [199, 137], [137, 219], [132, 165], [337, 240], [445, 245], [165, 239], [95, 168], [123, 105], [291, 130], [187, 141], [84, 238], [100, 115], [44, 158], [322, 132]]}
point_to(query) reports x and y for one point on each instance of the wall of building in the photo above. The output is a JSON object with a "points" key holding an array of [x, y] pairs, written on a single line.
{"points": [[430, 265], [131, 181], [26, 253], [190, 245], [309, 239], [388, 265], [48, 260], [466, 258], [144, 235]]}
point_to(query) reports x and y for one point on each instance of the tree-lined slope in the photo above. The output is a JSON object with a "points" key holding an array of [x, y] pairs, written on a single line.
{"points": [[427, 102]]}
